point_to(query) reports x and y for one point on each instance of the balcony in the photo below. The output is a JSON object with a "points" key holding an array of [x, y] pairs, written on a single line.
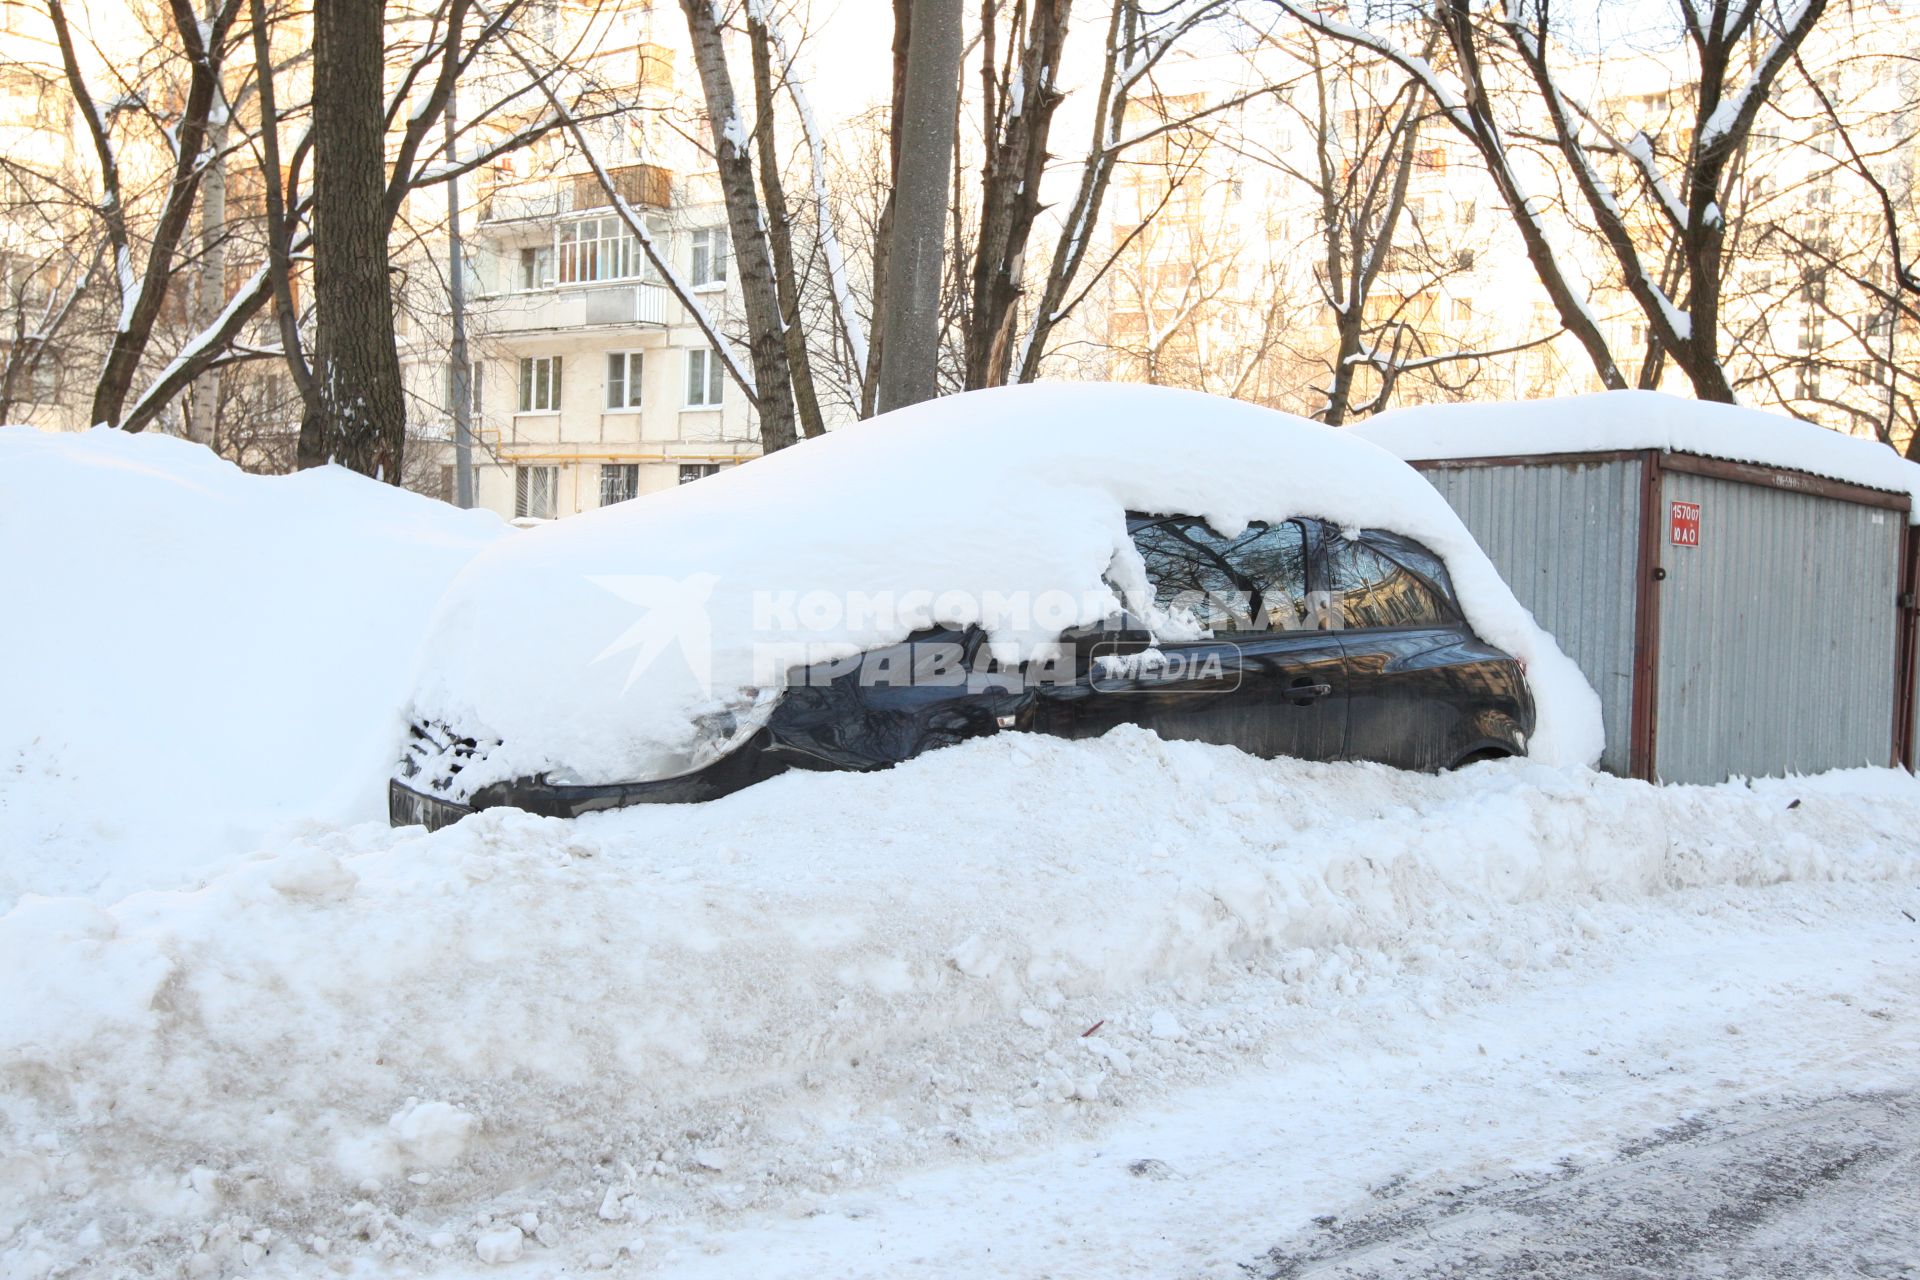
{"points": [[573, 307], [644, 186]]}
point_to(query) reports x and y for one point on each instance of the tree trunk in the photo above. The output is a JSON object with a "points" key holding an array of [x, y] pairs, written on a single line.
{"points": [[883, 234], [203, 397], [779, 223], [1018, 118], [358, 413], [143, 287], [916, 250], [766, 333]]}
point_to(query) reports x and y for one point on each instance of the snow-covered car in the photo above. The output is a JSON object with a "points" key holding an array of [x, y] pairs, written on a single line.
{"points": [[1059, 559]]}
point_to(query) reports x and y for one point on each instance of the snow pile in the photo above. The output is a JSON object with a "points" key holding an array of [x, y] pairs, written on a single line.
{"points": [[194, 655], [524, 1036], [1609, 420], [1003, 508]]}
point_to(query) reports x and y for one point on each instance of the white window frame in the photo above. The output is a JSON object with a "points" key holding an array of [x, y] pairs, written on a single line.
{"points": [[526, 482], [596, 250], [705, 389], [531, 385], [631, 364], [708, 254]]}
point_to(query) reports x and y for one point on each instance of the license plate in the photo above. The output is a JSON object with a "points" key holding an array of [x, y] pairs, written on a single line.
{"points": [[408, 808]]}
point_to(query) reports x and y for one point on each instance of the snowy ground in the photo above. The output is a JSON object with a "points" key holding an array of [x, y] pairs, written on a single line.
{"points": [[1020, 1008], [931, 1020]]}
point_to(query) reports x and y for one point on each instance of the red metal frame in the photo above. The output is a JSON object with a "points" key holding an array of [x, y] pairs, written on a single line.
{"points": [[1906, 649], [1643, 734]]}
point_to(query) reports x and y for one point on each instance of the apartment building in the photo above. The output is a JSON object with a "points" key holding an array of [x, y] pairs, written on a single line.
{"points": [[592, 383]]}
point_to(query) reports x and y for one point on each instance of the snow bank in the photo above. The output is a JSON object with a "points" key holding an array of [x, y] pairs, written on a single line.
{"points": [[1003, 507], [520, 1034], [194, 655], [1640, 420]]}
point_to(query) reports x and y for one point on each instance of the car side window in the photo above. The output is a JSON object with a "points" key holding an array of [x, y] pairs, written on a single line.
{"points": [[1254, 582], [1366, 589]]}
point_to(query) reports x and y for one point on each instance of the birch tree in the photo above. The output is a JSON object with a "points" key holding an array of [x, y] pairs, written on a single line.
{"points": [[753, 254]]}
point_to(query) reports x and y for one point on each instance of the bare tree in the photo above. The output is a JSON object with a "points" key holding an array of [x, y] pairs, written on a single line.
{"points": [[1727, 97], [779, 222], [50, 260], [1465, 100], [1867, 147], [1019, 94], [143, 271], [1138, 39]]}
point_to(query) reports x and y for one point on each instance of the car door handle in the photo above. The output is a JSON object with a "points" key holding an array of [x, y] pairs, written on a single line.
{"points": [[1302, 693]]}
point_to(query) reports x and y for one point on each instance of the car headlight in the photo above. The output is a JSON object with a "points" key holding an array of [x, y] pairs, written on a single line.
{"points": [[716, 734]]}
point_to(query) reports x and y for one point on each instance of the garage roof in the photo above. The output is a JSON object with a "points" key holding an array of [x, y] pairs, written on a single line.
{"points": [[1615, 420]]}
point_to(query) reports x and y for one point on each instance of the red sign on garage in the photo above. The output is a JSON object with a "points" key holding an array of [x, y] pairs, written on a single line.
{"points": [[1685, 527]]}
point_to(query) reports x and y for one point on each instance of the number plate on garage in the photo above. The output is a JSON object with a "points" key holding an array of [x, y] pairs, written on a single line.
{"points": [[1686, 524]]}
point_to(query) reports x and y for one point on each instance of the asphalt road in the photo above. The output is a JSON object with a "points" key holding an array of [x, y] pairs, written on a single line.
{"points": [[1806, 1190]]}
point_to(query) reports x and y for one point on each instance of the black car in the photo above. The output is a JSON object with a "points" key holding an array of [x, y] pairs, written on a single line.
{"points": [[1302, 640]]}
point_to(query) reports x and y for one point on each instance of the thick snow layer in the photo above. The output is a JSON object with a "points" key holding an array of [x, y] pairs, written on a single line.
{"points": [[194, 655], [555, 1041], [590, 644], [1609, 420]]}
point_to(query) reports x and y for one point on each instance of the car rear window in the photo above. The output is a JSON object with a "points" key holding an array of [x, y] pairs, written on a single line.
{"points": [[1366, 589]]}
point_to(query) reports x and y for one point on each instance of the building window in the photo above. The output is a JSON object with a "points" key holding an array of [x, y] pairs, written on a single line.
{"points": [[598, 249], [691, 471], [533, 491], [623, 380], [536, 268], [709, 256], [706, 379], [619, 481], [539, 384]]}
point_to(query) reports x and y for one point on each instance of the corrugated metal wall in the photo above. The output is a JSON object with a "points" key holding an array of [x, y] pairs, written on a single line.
{"points": [[1566, 538], [1776, 633]]}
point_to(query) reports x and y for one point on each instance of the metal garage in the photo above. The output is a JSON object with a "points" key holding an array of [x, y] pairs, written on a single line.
{"points": [[1736, 619]]}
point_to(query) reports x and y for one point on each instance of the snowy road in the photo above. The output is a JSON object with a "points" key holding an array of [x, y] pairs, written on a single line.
{"points": [[1733, 1097], [1813, 1188]]}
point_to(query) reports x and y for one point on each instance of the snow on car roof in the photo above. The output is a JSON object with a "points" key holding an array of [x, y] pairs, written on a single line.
{"points": [[595, 641], [1610, 420]]}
